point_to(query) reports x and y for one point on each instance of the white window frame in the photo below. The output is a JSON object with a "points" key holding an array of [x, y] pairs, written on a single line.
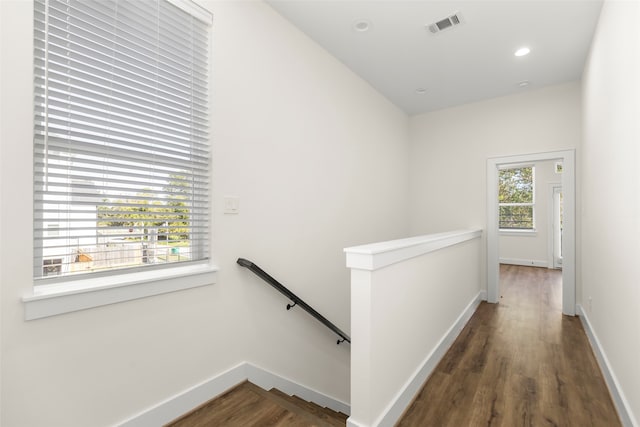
{"points": [[83, 293], [530, 232]]}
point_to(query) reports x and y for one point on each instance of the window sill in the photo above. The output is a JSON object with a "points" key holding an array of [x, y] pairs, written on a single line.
{"points": [[59, 298], [520, 233]]}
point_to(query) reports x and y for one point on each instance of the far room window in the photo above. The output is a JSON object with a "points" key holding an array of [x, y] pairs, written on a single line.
{"points": [[516, 198], [121, 144]]}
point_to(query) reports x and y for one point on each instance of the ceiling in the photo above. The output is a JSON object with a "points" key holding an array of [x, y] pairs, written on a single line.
{"points": [[469, 62]]}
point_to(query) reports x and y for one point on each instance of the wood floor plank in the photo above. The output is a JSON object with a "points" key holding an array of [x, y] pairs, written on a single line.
{"points": [[326, 416], [517, 363], [488, 405], [241, 407], [248, 405]]}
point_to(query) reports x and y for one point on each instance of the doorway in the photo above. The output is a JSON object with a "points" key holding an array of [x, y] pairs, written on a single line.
{"points": [[567, 158]]}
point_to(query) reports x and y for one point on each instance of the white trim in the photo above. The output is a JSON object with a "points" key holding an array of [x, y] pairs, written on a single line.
{"points": [[403, 399], [518, 233], [551, 223], [526, 262], [194, 10], [517, 166], [619, 399], [569, 240], [379, 255], [51, 300], [185, 401]]}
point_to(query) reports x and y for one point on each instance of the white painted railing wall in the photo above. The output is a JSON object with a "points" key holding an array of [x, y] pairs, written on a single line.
{"points": [[409, 300]]}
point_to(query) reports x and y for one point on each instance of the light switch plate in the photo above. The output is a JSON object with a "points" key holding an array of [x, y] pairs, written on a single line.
{"points": [[231, 205]]}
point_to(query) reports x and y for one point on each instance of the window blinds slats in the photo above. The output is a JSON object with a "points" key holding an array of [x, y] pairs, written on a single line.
{"points": [[138, 32], [89, 143], [120, 191], [121, 153], [94, 194], [138, 162], [86, 106], [126, 176], [111, 248], [115, 152], [89, 203], [126, 97], [79, 229], [106, 248], [78, 214], [101, 74], [119, 99], [171, 62], [147, 139]]}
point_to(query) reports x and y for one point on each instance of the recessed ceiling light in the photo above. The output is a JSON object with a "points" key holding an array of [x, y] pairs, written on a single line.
{"points": [[362, 25], [524, 83], [522, 51], [421, 91]]}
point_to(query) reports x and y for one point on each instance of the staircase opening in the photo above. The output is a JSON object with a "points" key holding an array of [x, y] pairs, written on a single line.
{"points": [[249, 405]]}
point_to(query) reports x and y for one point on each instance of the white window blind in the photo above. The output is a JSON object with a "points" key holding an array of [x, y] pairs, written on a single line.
{"points": [[121, 146]]}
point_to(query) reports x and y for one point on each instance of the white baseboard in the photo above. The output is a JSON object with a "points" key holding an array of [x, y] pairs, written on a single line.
{"points": [[619, 400], [525, 262], [404, 398], [185, 401]]}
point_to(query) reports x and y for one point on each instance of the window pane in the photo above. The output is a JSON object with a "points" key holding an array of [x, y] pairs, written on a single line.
{"points": [[516, 185], [516, 217]]}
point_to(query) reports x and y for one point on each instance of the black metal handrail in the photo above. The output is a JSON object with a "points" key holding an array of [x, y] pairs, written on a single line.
{"points": [[293, 297]]}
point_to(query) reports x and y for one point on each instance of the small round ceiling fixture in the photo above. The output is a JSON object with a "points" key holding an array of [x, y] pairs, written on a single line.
{"points": [[524, 83], [421, 91], [362, 25], [522, 51]]}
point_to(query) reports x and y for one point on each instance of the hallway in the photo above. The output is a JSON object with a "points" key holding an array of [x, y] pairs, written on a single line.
{"points": [[517, 363]]}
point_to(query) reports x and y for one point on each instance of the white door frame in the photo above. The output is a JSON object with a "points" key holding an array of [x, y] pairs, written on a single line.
{"points": [[554, 225], [569, 235]]}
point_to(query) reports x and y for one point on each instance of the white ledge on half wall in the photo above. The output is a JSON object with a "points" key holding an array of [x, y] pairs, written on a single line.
{"points": [[378, 255]]}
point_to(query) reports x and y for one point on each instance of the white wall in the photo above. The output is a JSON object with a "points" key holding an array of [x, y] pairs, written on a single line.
{"points": [[449, 149], [532, 248], [611, 192], [319, 161], [4, 42], [411, 298]]}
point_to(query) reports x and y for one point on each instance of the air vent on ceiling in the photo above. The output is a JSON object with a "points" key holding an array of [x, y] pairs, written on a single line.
{"points": [[443, 24]]}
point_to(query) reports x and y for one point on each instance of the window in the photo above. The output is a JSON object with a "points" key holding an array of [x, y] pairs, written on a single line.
{"points": [[121, 146], [516, 198]]}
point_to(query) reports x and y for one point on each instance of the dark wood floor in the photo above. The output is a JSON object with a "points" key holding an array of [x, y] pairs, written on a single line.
{"points": [[517, 363]]}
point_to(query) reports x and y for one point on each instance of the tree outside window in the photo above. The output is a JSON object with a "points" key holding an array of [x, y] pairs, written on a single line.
{"points": [[516, 198]]}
